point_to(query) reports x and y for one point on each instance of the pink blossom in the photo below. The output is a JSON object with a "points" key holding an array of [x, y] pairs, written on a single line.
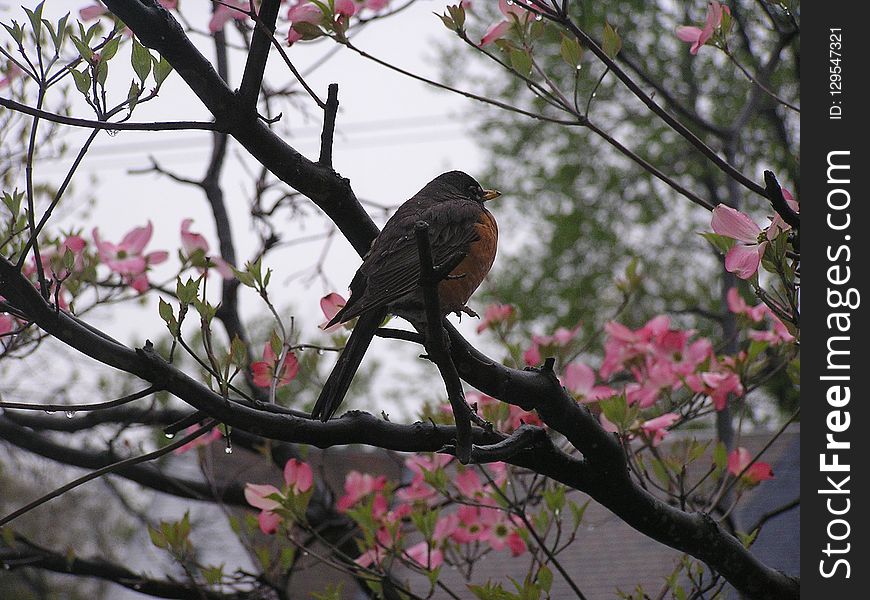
{"points": [[516, 544], [258, 497], [226, 11], [264, 370], [624, 344], [518, 416], [445, 526], [7, 324], [330, 304], [579, 379], [739, 459], [345, 8], [127, 258], [357, 486], [96, 10], [777, 225], [738, 306], [514, 12], [717, 385], [191, 242], [384, 541], [89, 13], [468, 483], [425, 556], [203, 440], [375, 5], [298, 476], [656, 429], [304, 11], [470, 528], [495, 313], [560, 338], [13, 73], [779, 333], [699, 36], [745, 256]]}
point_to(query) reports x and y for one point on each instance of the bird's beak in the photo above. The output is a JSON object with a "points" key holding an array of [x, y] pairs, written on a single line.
{"points": [[490, 194]]}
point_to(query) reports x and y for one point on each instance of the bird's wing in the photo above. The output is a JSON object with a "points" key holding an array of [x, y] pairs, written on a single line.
{"points": [[392, 267]]}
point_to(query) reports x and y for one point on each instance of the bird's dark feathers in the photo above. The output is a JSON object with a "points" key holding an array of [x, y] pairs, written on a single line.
{"points": [[391, 268]]}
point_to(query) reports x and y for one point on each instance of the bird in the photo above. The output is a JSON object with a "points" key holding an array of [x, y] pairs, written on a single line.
{"points": [[387, 282]]}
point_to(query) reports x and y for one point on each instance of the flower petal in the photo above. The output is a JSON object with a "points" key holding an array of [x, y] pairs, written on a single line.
{"points": [[734, 224], [743, 260]]}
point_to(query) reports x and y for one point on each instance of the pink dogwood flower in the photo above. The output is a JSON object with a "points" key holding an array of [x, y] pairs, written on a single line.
{"points": [[7, 324], [756, 473], [716, 384], [425, 556], [193, 242], [579, 379], [514, 12], [201, 441], [495, 313], [357, 486], [227, 11], [264, 370], [330, 304], [298, 479], [128, 259], [745, 256], [560, 338], [698, 36], [656, 429]]}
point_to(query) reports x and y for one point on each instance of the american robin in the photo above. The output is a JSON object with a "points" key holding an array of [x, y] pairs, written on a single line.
{"points": [[388, 279]]}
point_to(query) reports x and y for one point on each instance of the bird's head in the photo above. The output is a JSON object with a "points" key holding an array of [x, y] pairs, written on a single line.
{"points": [[457, 183]]}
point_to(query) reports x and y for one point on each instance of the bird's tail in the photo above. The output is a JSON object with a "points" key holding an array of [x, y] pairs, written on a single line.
{"points": [[348, 362]]}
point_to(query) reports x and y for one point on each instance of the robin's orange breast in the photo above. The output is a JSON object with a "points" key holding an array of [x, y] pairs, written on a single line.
{"points": [[454, 293]]}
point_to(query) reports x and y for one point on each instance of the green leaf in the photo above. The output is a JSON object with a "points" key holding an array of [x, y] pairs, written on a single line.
{"points": [[571, 51], [60, 32], [69, 259], [747, 538], [141, 60], [13, 201], [457, 13], [611, 43], [15, 31], [102, 72], [35, 17], [660, 471], [238, 352], [545, 578], [84, 50], [616, 410], [157, 537], [82, 80], [577, 512], [720, 242], [555, 498], [110, 49], [521, 61], [133, 95], [162, 69], [448, 22], [720, 456]]}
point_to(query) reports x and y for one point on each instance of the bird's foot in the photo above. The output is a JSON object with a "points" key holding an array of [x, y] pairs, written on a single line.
{"points": [[468, 312]]}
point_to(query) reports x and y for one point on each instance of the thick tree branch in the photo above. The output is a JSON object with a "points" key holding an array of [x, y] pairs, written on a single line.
{"points": [[24, 553]]}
